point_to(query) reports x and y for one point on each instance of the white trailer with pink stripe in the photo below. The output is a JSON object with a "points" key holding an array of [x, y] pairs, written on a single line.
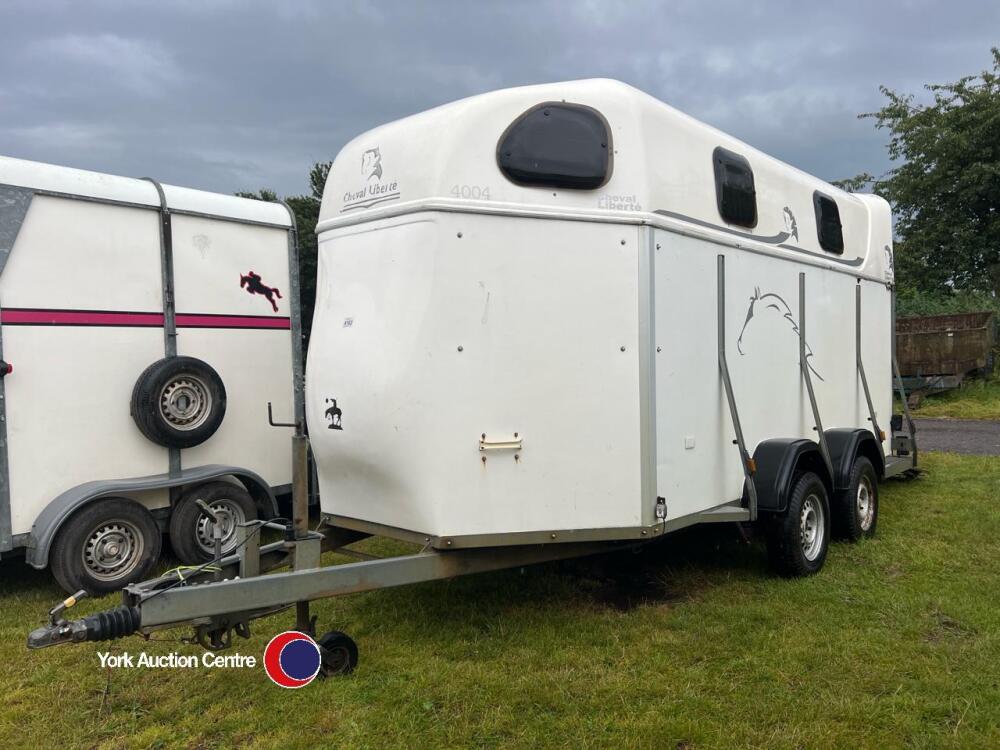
{"points": [[144, 330]]}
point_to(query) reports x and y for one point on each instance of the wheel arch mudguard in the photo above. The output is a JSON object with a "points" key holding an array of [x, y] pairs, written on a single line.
{"points": [[55, 514], [777, 460], [847, 442]]}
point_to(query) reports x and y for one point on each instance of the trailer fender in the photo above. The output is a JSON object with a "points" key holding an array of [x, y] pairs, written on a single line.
{"points": [[845, 444], [52, 517], [777, 460]]}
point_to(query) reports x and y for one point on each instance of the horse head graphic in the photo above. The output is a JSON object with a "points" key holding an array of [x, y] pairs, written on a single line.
{"points": [[760, 303], [790, 226], [371, 164]]}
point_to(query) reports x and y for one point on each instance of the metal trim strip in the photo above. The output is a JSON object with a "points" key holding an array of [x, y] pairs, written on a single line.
{"points": [[24, 316], [295, 322], [723, 513], [708, 232], [145, 206], [647, 374], [14, 205]]}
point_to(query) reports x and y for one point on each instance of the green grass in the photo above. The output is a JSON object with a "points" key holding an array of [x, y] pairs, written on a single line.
{"points": [[895, 644], [976, 399]]}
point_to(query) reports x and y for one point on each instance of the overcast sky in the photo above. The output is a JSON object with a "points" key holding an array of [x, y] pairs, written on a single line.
{"points": [[240, 95]]}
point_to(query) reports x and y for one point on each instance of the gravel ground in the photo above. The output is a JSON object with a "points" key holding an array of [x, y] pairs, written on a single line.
{"points": [[970, 436]]}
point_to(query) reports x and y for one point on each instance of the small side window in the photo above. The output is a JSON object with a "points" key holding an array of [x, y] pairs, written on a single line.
{"points": [[828, 226], [557, 145], [734, 188]]}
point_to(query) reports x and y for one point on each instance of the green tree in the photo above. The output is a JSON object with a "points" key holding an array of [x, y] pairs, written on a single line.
{"points": [[306, 211], [945, 189]]}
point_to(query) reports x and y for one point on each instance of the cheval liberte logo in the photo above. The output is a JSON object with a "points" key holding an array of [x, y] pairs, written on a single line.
{"points": [[291, 660], [375, 189], [619, 203]]}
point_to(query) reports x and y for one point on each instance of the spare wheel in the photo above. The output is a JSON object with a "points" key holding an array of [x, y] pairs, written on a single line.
{"points": [[179, 402]]}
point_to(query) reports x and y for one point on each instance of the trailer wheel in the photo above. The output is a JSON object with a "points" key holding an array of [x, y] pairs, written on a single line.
{"points": [[178, 402], [798, 540], [105, 546], [191, 529], [338, 652], [855, 510]]}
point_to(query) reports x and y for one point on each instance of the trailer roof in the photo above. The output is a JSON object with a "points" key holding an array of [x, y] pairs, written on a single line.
{"points": [[661, 169], [53, 179]]}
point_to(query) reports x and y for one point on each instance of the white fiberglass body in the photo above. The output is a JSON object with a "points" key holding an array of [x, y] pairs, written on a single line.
{"points": [[495, 363]]}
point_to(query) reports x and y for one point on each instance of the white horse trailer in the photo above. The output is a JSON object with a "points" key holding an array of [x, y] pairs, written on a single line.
{"points": [[524, 341], [558, 319], [146, 327]]}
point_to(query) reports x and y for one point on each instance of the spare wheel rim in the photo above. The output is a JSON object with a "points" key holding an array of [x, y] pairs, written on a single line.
{"points": [[185, 402]]}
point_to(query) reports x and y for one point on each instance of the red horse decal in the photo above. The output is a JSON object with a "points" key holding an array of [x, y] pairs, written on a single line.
{"points": [[253, 284]]}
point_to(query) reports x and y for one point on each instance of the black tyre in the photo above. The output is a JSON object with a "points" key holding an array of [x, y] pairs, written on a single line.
{"points": [[855, 510], [191, 529], [178, 402], [338, 652], [798, 540], [104, 546]]}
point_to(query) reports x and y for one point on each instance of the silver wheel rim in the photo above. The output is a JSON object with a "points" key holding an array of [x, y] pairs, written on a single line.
{"points": [[185, 402], [230, 516], [113, 550], [813, 528], [866, 504]]}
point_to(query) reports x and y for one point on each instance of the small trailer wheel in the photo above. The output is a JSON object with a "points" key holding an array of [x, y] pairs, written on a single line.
{"points": [[191, 530], [105, 546], [798, 540], [178, 402], [339, 654], [855, 510]]}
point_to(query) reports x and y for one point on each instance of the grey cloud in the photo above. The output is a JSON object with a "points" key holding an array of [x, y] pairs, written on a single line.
{"points": [[237, 95]]}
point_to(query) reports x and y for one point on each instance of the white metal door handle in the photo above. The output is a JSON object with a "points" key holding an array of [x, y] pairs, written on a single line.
{"points": [[500, 444]]}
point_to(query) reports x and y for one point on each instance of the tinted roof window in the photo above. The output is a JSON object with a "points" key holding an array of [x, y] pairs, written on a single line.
{"points": [[734, 188], [557, 145], [828, 226]]}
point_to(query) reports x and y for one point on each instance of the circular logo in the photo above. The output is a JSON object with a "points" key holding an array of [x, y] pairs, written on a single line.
{"points": [[292, 659]]}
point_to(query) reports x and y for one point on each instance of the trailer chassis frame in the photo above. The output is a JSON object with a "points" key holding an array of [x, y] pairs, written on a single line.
{"points": [[224, 598]]}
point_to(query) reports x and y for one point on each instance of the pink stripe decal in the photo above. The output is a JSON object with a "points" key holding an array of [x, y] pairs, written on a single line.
{"points": [[15, 316], [80, 318], [232, 321]]}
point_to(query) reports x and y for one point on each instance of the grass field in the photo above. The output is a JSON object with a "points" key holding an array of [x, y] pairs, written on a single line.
{"points": [[690, 645], [976, 399]]}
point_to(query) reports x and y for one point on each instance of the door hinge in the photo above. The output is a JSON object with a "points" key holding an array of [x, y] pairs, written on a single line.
{"points": [[661, 508]]}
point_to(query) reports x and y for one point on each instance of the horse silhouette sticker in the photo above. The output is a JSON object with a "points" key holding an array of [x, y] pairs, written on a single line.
{"points": [[254, 285], [761, 303], [334, 414]]}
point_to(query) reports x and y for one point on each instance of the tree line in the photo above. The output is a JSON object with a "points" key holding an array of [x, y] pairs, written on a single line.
{"points": [[944, 189], [306, 211]]}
